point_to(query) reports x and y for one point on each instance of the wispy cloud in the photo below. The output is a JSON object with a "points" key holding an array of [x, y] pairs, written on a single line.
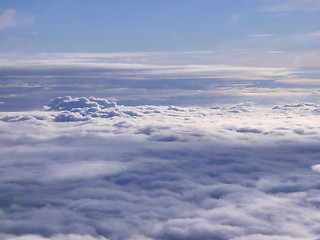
{"points": [[158, 78], [292, 5], [9, 19], [262, 35], [118, 66]]}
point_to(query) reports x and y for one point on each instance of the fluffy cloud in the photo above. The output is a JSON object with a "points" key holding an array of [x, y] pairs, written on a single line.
{"points": [[82, 109], [160, 172], [316, 167]]}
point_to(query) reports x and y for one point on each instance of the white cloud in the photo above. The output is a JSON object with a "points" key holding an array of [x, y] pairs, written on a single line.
{"points": [[292, 6], [316, 167], [159, 78], [9, 19], [81, 170], [61, 65], [262, 35], [56, 237], [165, 172]]}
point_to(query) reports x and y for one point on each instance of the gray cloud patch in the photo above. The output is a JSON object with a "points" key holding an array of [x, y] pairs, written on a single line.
{"points": [[159, 172]]}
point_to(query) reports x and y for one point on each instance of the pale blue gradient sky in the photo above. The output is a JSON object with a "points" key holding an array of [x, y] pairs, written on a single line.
{"points": [[144, 25]]}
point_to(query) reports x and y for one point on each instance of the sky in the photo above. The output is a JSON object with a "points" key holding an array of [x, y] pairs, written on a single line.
{"points": [[139, 26], [149, 119], [159, 52]]}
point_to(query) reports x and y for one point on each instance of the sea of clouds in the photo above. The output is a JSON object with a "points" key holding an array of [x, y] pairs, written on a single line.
{"points": [[91, 169]]}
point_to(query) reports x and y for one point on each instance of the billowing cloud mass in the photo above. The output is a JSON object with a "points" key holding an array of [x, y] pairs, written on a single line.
{"points": [[91, 169]]}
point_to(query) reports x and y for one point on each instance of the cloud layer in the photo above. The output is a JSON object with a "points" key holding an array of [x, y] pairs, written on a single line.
{"points": [[160, 78], [160, 172]]}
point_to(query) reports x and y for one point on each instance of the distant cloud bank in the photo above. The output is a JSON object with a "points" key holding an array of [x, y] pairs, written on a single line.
{"points": [[160, 78]]}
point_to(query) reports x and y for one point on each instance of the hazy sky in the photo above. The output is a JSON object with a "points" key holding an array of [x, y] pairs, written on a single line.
{"points": [[144, 25], [160, 52]]}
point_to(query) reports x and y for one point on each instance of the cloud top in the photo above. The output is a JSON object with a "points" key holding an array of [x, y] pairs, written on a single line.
{"points": [[81, 108], [159, 172], [72, 104]]}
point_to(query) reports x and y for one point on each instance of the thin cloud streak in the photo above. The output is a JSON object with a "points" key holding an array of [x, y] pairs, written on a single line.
{"points": [[159, 78], [262, 35], [292, 6], [97, 63]]}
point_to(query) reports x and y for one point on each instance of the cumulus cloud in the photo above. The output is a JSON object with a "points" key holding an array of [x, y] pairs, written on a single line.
{"points": [[224, 172], [82, 109]]}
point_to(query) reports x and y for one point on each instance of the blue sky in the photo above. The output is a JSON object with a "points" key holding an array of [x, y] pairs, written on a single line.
{"points": [[130, 26], [160, 52]]}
